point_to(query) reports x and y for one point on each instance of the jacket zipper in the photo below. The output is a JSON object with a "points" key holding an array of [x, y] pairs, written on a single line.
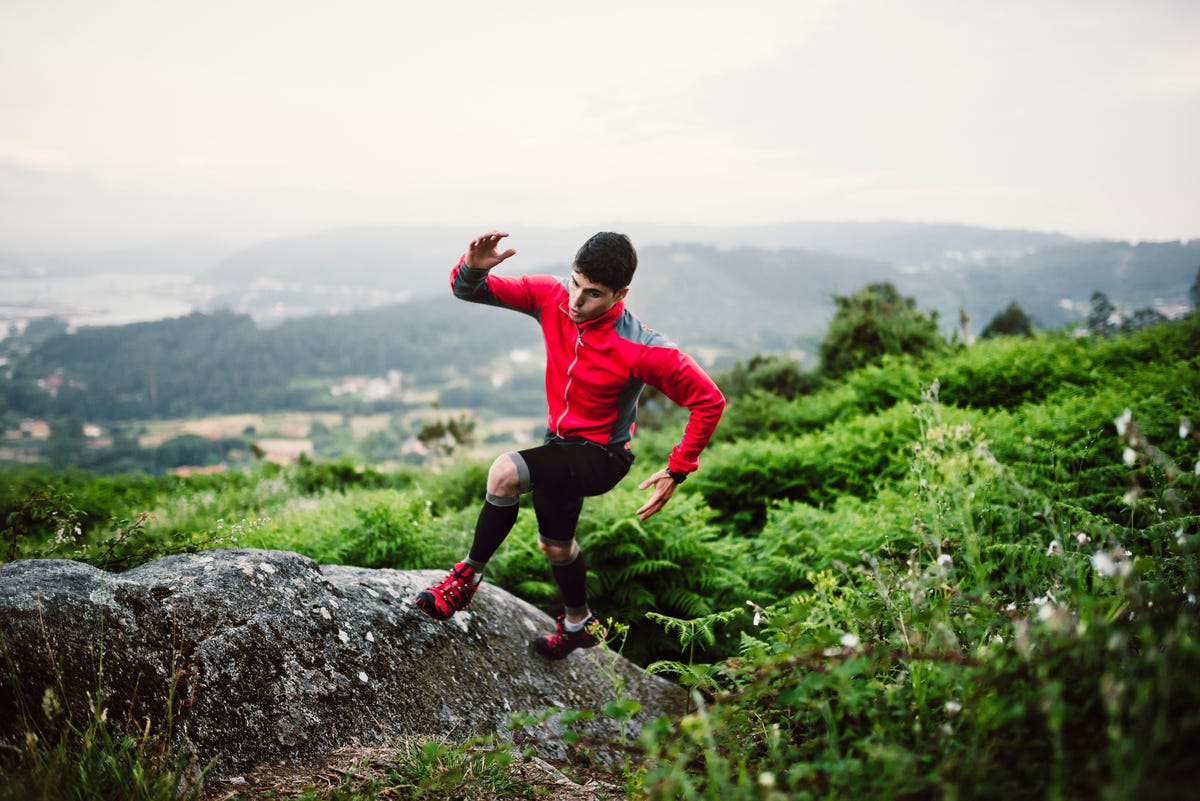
{"points": [[570, 378]]}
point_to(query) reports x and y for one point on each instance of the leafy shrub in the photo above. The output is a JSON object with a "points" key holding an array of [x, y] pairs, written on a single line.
{"points": [[313, 477], [38, 507], [743, 479], [873, 322], [775, 375], [1011, 322]]}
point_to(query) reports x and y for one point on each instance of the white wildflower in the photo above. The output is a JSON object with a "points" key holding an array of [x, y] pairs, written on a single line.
{"points": [[953, 708], [1197, 468], [850, 640], [1185, 428], [1179, 536], [1081, 538], [1131, 496], [1012, 607], [1113, 564], [759, 613], [766, 779], [1129, 456], [1055, 549], [1103, 564], [1123, 422], [945, 561]]}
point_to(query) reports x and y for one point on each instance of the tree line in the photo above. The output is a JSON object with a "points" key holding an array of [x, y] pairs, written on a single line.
{"points": [[222, 362]]}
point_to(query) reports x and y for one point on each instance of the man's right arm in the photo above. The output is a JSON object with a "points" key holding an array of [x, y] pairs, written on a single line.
{"points": [[471, 279]]}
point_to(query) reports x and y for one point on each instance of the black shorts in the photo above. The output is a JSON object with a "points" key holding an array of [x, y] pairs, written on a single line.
{"points": [[561, 474]]}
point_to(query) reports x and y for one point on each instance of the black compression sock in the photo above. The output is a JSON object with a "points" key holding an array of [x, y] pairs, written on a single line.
{"points": [[492, 526], [572, 581]]}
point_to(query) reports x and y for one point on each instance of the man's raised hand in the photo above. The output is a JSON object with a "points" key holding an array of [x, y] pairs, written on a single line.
{"points": [[482, 253]]}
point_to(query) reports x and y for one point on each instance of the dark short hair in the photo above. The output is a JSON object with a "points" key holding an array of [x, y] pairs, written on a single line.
{"points": [[608, 259]]}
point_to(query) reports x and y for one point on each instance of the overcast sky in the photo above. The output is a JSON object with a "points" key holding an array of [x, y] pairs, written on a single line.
{"points": [[128, 121]]}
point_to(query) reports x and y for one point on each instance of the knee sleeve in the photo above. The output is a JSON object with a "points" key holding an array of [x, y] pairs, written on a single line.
{"points": [[524, 481], [574, 553]]}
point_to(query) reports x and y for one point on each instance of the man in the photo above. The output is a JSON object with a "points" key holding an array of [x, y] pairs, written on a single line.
{"points": [[598, 359]]}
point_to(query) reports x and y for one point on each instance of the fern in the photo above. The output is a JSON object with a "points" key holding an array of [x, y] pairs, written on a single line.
{"points": [[645, 568]]}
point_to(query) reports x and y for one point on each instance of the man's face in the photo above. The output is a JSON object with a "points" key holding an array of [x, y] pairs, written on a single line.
{"points": [[589, 300]]}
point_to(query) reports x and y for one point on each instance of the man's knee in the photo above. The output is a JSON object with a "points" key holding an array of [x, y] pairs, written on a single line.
{"points": [[559, 553], [504, 476]]}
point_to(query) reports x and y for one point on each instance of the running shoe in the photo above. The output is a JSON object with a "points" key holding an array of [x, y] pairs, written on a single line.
{"points": [[450, 595], [562, 642]]}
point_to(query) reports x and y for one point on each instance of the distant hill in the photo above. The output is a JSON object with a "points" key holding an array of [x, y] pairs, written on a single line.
{"points": [[770, 284], [761, 286], [1054, 285], [745, 300], [413, 259]]}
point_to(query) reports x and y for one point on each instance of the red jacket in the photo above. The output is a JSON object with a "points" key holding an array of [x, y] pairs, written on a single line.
{"points": [[595, 371]]}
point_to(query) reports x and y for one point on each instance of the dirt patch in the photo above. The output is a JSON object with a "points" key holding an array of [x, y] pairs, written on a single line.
{"points": [[547, 781]]}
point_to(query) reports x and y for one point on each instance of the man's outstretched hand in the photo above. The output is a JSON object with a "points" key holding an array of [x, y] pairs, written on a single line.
{"points": [[482, 253], [664, 488]]}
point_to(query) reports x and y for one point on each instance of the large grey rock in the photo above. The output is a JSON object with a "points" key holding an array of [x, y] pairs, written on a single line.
{"points": [[265, 656]]}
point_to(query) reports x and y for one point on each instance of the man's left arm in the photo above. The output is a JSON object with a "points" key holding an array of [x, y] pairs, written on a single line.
{"points": [[677, 376]]}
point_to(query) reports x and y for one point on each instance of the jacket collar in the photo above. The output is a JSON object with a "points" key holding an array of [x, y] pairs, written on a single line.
{"points": [[608, 318]]}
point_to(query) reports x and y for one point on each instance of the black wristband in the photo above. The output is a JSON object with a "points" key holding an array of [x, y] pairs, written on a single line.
{"points": [[676, 476]]}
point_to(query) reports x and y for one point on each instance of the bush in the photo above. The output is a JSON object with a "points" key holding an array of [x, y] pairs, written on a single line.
{"points": [[743, 479], [873, 322]]}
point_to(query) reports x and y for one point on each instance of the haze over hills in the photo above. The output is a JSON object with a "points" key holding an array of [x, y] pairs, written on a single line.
{"points": [[772, 284], [703, 284], [409, 257]]}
